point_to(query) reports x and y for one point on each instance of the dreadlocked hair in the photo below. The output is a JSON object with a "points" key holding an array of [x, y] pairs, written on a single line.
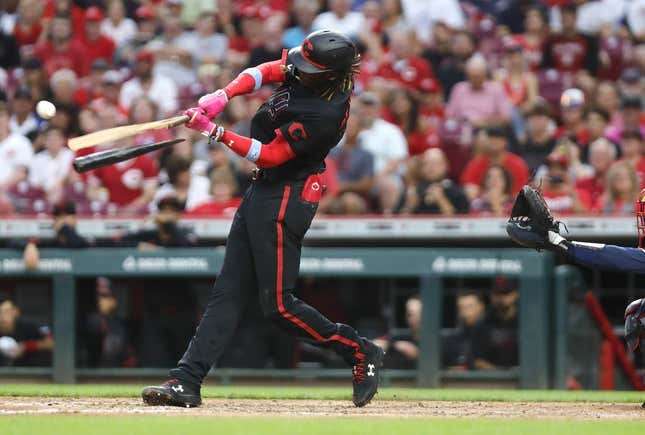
{"points": [[344, 83]]}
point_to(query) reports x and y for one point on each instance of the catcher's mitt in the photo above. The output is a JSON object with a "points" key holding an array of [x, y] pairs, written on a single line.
{"points": [[531, 220]]}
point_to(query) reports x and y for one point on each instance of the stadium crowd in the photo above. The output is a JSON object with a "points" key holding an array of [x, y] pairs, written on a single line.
{"points": [[457, 105]]}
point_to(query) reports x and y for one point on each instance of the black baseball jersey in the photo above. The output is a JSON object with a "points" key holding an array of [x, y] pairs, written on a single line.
{"points": [[310, 124]]}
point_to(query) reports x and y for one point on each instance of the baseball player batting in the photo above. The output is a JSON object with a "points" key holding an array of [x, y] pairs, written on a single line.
{"points": [[291, 134], [532, 225]]}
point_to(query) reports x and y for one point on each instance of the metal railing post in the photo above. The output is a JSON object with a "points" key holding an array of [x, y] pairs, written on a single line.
{"points": [[64, 355], [429, 364]]}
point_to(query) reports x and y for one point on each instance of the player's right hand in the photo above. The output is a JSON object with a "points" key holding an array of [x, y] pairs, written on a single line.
{"points": [[200, 122], [213, 104]]}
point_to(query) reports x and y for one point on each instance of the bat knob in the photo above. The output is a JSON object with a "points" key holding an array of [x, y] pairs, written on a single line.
{"points": [[77, 166]]}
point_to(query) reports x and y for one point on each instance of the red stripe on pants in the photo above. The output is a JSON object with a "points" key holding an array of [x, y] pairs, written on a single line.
{"points": [[278, 282]]}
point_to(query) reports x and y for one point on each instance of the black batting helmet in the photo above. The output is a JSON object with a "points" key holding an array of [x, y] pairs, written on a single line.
{"points": [[634, 327], [323, 51]]}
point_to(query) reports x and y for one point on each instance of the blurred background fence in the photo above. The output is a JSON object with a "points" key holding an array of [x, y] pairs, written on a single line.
{"points": [[429, 266]]}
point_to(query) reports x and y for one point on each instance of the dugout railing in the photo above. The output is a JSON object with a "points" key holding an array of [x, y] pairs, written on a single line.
{"points": [[430, 265]]}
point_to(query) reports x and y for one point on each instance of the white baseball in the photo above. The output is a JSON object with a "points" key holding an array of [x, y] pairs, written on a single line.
{"points": [[8, 347], [45, 109]]}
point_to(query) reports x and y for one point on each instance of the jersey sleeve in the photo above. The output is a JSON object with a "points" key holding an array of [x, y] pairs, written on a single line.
{"points": [[253, 78], [608, 257]]}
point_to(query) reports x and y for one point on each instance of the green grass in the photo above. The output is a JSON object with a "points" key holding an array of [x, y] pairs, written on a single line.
{"points": [[196, 425], [161, 425], [330, 393]]}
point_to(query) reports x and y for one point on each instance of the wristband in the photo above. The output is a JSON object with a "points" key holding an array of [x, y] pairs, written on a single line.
{"points": [[30, 345], [219, 132]]}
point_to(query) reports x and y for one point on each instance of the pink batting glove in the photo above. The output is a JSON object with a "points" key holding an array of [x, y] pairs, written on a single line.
{"points": [[200, 122], [213, 104]]}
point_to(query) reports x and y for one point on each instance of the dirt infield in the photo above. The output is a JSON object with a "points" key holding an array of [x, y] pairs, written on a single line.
{"points": [[326, 408]]}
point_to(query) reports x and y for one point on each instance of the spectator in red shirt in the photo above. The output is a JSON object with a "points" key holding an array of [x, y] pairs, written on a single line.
{"points": [[495, 197], [401, 65], [97, 46], [621, 190], [61, 51], [65, 8], [28, 28], [129, 185], [403, 111], [602, 154], [570, 51], [632, 150], [558, 188], [432, 111], [494, 153]]}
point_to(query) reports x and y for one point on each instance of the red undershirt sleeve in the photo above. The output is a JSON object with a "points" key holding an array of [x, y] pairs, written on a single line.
{"points": [[252, 79], [268, 155]]}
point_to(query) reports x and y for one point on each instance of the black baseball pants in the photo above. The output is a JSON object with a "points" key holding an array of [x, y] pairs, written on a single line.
{"points": [[263, 260]]}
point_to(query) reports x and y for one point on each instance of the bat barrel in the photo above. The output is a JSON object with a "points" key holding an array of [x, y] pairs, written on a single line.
{"points": [[109, 157]]}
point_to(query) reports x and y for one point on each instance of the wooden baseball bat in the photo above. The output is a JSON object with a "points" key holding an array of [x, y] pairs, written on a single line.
{"points": [[116, 133], [109, 157]]}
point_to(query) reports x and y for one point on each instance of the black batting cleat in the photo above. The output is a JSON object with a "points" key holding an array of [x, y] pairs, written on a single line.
{"points": [[173, 392], [365, 373]]}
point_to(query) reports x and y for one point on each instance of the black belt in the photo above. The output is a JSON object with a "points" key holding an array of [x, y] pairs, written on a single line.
{"points": [[262, 175]]}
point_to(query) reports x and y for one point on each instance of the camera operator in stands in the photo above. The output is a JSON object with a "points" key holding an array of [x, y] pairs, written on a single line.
{"points": [[22, 343], [433, 192], [167, 234], [65, 235]]}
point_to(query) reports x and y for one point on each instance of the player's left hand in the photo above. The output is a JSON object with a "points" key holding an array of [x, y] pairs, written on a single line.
{"points": [[531, 224], [200, 122], [213, 104]]}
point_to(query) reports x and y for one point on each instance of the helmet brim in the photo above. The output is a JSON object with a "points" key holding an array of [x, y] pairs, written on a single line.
{"points": [[298, 60]]}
